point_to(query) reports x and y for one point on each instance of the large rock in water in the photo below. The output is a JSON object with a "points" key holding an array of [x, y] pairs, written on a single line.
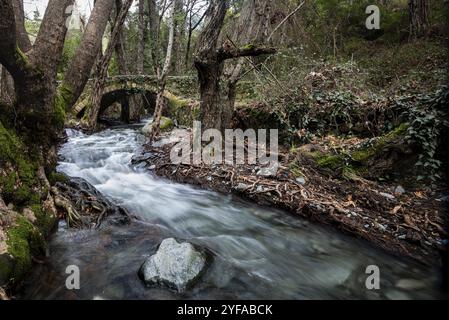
{"points": [[176, 265]]}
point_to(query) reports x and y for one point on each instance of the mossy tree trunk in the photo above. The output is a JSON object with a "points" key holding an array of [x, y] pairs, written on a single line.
{"points": [[7, 94], [36, 115]]}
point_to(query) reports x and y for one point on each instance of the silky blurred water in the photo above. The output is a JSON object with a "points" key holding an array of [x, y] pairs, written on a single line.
{"points": [[260, 253]]}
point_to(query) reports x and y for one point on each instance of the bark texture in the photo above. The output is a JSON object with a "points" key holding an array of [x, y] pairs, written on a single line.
{"points": [[80, 67], [162, 76], [101, 68], [419, 18], [216, 111], [36, 115]]}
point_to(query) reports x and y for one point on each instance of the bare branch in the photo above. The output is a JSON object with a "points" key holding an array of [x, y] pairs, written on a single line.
{"points": [[285, 20]]}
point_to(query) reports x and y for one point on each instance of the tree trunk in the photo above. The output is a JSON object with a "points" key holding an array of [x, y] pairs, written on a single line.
{"points": [[162, 77], [192, 27], [141, 41], [36, 116], [138, 101], [178, 24], [102, 67], [80, 67], [122, 68], [7, 91], [418, 16], [153, 16], [22, 36], [216, 111]]}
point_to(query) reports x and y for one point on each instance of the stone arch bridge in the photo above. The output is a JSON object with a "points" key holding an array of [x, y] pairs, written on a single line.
{"points": [[181, 95]]}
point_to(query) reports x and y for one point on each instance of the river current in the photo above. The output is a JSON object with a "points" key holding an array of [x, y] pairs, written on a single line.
{"points": [[260, 253]]}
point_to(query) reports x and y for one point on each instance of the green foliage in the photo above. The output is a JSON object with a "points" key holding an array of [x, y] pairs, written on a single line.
{"points": [[72, 41], [428, 119], [56, 177], [45, 222]]}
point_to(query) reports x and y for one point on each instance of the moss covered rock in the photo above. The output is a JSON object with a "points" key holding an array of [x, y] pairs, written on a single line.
{"points": [[389, 155], [24, 224], [166, 125]]}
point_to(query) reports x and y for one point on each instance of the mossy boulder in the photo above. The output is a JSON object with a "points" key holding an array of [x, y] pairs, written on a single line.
{"points": [[389, 155], [166, 125], [185, 112]]}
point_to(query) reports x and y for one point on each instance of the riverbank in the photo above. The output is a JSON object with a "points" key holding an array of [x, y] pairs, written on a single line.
{"points": [[400, 222], [259, 252]]}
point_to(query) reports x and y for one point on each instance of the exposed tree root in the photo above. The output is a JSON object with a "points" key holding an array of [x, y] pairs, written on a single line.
{"points": [[83, 206]]}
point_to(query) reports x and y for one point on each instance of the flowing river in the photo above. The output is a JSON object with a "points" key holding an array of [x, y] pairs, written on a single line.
{"points": [[260, 253]]}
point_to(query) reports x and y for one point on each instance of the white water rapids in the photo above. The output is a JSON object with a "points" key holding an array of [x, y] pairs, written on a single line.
{"points": [[261, 253]]}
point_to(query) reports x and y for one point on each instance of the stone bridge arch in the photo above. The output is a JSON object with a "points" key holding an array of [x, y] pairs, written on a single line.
{"points": [[118, 88]]}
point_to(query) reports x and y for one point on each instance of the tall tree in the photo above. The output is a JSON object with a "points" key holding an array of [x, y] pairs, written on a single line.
{"points": [[142, 31], [195, 16], [418, 16], [178, 25], [81, 65], [122, 66], [216, 111], [101, 68], [252, 27], [36, 115], [138, 101], [7, 94], [162, 75]]}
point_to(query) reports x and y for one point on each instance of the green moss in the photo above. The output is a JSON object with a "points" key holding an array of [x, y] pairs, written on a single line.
{"points": [[182, 110], [330, 161], [166, 124], [56, 177], [17, 185], [364, 154], [248, 47], [8, 184], [23, 240], [66, 94], [21, 57], [62, 99], [45, 222]]}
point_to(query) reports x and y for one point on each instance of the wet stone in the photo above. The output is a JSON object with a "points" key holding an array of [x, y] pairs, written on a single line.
{"points": [[176, 265]]}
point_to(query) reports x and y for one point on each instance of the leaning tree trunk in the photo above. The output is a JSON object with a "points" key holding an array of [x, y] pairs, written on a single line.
{"points": [[81, 65], [102, 68], [252, 27]]}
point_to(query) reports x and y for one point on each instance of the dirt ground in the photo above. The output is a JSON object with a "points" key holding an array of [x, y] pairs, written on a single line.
{"points": [[405, 223]]}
